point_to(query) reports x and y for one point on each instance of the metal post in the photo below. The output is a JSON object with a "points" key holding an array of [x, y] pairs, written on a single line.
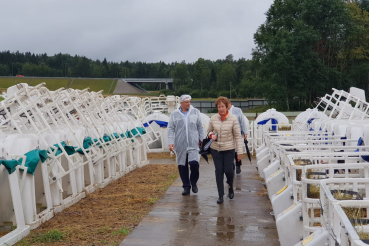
{"points": [[12, 69], [230, 95]]}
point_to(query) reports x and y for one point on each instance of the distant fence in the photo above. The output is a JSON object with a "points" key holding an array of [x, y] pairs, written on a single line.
{"points": [[208, 106]]}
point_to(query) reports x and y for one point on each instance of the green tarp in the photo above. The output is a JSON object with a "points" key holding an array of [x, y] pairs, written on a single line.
{"points": [[32, 160], [138, 131], [69, 149], [134, 132], [10, 165], [87, 143]]}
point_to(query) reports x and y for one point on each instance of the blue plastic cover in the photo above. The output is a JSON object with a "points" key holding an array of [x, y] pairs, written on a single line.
{"points": [[360, 142], [310, 120], [162, 124], [274, 123]]}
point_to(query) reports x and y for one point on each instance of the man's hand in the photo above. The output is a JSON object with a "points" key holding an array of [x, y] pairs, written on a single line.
{"points": [[171, 147], [200, 143], [245, 136], [239, 157]]}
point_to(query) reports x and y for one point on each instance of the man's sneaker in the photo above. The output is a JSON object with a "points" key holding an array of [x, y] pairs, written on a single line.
{"points": [[238, 169], [186, 192], [194, 189]]}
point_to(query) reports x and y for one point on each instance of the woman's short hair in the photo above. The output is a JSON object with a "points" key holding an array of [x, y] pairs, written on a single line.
{"points": [[223, 100]]}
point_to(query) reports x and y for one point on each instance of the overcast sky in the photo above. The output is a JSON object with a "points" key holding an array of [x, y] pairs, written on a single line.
{"points": [[134, 30]]}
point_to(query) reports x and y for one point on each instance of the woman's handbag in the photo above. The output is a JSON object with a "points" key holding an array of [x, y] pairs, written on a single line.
{"points": [[205, 147]]}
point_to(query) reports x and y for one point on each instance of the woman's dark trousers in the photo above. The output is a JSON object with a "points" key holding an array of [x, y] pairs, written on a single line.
{"points": [[223, 162]]}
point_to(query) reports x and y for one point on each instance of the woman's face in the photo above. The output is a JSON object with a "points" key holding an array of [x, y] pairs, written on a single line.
{"points": [[222, 109]]}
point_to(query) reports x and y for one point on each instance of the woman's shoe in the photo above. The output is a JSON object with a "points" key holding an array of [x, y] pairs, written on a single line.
{"points": [[231, 193], [186, 192], [220, 200]]}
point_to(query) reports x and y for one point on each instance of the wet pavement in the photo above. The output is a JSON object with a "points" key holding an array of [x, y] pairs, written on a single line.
{"points": [[197, 219]]}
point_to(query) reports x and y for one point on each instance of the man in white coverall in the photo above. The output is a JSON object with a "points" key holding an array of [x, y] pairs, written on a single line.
{"points": [[241, 121], [185, 135]]}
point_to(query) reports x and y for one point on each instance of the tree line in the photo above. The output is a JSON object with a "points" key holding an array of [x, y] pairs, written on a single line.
{"points": [[303, 49], [203, 78], [307, 47]]}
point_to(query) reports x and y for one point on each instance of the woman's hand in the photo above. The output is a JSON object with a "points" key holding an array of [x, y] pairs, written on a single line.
{"points": [[214, 137], [239, 157]]}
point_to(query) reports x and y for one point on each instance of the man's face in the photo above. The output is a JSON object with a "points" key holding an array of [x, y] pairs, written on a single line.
{"points": [[186, 105], [229, 105]]}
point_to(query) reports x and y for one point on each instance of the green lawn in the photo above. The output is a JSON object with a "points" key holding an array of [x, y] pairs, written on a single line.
{"points": [[7, 82], [95, 84], [56, 83], [51, 84]]}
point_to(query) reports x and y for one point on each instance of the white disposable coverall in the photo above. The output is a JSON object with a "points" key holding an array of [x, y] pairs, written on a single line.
{"points": [[185, 132], [241, 120]]}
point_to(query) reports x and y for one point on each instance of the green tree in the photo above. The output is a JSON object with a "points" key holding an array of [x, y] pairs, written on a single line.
{"points": [[297, 48], [229, 58], [4, 70], [201, 75], [226, 77], [181, 75]]}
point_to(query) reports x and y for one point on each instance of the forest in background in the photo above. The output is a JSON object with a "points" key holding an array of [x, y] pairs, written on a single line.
{"points": [[302, 50]]}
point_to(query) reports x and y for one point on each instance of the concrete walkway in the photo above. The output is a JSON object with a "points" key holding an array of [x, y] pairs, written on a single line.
{"points": [[198, 220]]}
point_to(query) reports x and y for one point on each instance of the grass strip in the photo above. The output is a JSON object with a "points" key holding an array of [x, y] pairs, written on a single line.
{"points": [[108, 215]]}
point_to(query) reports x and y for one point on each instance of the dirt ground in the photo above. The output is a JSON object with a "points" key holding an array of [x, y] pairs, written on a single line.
{"points": [[160, 155], [166, 155], [106, 216]]}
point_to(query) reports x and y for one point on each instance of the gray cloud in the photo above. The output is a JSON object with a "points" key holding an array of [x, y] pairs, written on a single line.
{"points": [[134, 30]]}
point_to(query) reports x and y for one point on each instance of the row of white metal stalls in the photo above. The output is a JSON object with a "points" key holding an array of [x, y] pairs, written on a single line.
{"points": [[317, 172], [56, 146]]}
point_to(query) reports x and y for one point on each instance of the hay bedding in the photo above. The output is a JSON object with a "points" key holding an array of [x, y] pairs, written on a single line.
{"points": [[160, 155], [106, 216]]}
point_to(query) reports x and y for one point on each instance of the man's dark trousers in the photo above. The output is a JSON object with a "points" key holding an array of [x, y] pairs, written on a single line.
{"points": [[189, 179]]}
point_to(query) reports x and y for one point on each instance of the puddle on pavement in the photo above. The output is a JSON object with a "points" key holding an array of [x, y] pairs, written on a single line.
{"points": [[252, 191], [231, 227], [252, 228], [190, 213], [253, 234], [223, 230], [225, 235]]}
